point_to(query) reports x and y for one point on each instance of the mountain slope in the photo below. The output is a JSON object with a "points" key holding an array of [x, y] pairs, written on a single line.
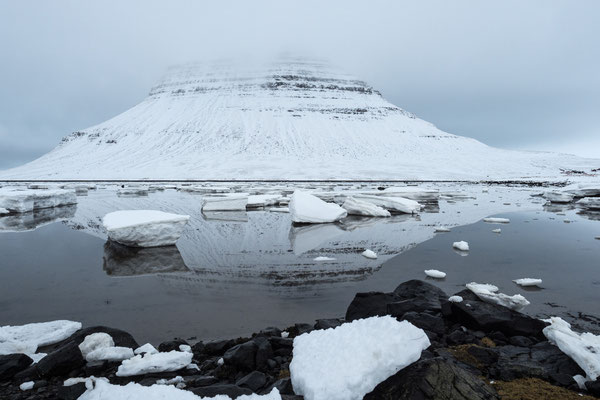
{"points": [[292, 119]]}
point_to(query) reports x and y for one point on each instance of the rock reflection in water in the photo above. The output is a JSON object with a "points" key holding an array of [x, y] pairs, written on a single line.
{"points": [[122, 260], [34, 219]]}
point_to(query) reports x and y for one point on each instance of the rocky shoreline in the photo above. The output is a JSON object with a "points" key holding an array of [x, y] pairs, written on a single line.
{"points": [[478, 351]]}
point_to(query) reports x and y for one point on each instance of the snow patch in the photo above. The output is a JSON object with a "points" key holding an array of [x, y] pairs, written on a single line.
{"points": [[109, 354], [27, 338]]}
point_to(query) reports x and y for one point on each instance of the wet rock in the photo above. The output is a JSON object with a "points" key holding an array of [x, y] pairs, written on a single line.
{"points": [[171, 345], [61, 361], [253, 381], [521, 341], [71, 392], [435, 379], [426, 322], [200, 380], [593, 387], [302, 328], [217, 347], [369, 304], [281, 343], [226, 389], [484, 356], [283, 385], [328, 323], [264, 351], [270, 331], [242, 356], [417, 289], [120, 337], [11, 364]]}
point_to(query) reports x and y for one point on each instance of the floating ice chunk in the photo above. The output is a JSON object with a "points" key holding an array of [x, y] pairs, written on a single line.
{"points": [[398, 204], [462, 245], [27, 338], [109, 354], [262, 200], [226, 202], [441, 229], [20, 201], [434, 273], [280, 209], [106, 391], [26, 385], [347, 362], [3, 211], [322, 258], [133, 191], [583, 348], [528, 282], [144, 228], [413, 193], [558, 197], [306, 208], [496, 220], [497, 230], [146, 348], [455, 299], [592, 203], [95, 341], [488, 293], [159, 362], [359, 207], [369, 254]]}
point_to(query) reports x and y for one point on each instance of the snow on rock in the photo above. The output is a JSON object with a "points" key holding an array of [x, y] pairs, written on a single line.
{"points": [[558, 197], [583, 348], [497, 230], [227, 202], [26, 385], [27, 338], [113, 353], [455, 299], [369, 254], [462, 245], [144, 228], [441, 229], [434, 273], [528, 282], [133, 391], [488, 293], [146, 348], [89, 381], [322, 258], [306, 208], [347, 362], [95, 341], [360, 207], [159, 362], [20, 201], [497, 220], [397, 204]]}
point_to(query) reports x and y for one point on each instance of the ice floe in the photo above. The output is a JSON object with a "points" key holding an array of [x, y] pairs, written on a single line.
{"points": [[227, 202], [323, 258], [583, 348], [150, 363], [397, 204], [27, 338], [20, 201], [558, 197], [496, 220], [262, 200], [497, 230], [347, 362], [280, 209], [360, 207], [369, 254], [306, 208], [528, 282], [489, 293], [144, 228], [434, 273], [591, 203], [462, 245]]}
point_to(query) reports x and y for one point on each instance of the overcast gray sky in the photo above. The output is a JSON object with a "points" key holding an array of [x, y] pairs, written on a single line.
{"points": [[513, 74]]}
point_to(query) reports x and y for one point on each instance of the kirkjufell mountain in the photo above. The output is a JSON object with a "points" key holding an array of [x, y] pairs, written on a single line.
{"points": [[289, 119]]}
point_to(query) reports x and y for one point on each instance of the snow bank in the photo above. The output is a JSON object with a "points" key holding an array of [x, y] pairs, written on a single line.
{"points": [[109, 354], [95, 341], [488, 293], [497, 220], [19, 201], [369, 254], [583, 348], [528, 282], [434, 273], [462, 245], [347, 362], [398, 204], [159, 362], [229, 202], [306, 208], [360, 207], [144, 228], [27, 338], [105, 391]]}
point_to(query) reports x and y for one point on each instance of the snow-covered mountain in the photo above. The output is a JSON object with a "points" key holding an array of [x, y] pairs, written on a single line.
{"points": [[290, 119]]}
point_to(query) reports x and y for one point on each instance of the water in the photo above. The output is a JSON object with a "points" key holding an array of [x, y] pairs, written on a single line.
{"points": [[235, 273]]}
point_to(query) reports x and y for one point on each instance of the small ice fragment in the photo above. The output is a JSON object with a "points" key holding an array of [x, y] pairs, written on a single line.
{"points": [[369, 254], [462, 245], [321, 258], [220, 361], [489, 293], [497, 220], [498, 230], [26, 385], [455, 299], [185, 347], [528, 282], [285, 334], [434, 273], [146, 348]]}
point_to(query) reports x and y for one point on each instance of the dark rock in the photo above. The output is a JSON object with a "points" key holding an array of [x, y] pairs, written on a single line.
{"points": [[253, 381], [11, 364], [242, 356], [283, 385], [426, 321], [369, 304], [459, 337], [199, 380], [302, 328], [419, 289], [327, 323], [198, 348], [272, 364], [171, 345], [435, 379], [491, 317], [498, 337], [214, 390], [121, 338], [270, 331], [279, 342], [283, 352], [61, 361], [593, 387], [264, 351], [291, 397], [484, 356], [521, 341], [217, 347], [71, 392]]}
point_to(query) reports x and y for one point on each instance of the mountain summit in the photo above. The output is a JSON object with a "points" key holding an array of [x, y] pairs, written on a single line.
{"points": [[290, 119]]}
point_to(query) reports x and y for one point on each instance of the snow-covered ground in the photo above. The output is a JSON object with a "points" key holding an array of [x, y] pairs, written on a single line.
{"points": [[290, 119]]}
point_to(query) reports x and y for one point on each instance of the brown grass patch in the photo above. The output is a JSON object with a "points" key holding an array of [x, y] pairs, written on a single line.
{"points": [[535, 389]]}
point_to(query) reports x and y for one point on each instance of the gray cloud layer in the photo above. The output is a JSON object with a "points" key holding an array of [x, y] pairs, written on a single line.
{"points": [[510, 73]]}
